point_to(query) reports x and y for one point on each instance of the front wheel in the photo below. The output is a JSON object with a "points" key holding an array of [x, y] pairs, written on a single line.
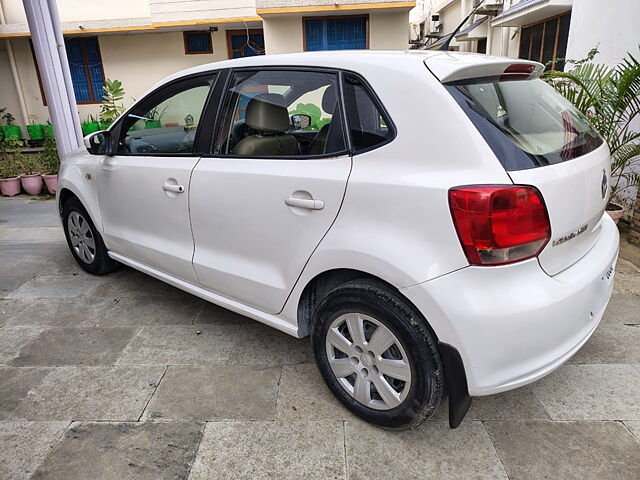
{"points": [[84, 240], [377, 355]]}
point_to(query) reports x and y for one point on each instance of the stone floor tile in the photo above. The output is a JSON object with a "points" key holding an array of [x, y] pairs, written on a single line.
{"points": [[153, 310], [128, 282], [518, 404], [432, 451], [215, 315], [24, 445], [57, 286], [623, 308], [262, 345], [271, 450], [63, 312], [75, 346], [89, 393], [141, 451], [32, 235], [591, 392], [584, 450], [13, 339], [611, 343], [215, 393], [181, 345], [15, 385], [634, 426], [627, 278], [303, 395], [9, 309]]}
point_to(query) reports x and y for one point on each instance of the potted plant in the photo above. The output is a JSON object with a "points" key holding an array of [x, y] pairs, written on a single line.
{"points": [[9, 168], [111, 108], [90, 125], [610, 99], [50, 162], [47, 130], [30, 178], [35, 131], [153, 118], [10, 130]]}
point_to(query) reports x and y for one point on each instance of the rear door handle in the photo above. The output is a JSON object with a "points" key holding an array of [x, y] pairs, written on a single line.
{"points": [[169, 187], [308, 203]]}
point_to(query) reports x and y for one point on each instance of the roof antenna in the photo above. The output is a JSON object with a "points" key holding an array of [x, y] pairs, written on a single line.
{"points": [[445, 45]]}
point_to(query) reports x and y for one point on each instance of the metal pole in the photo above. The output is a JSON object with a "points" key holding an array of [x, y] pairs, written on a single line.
{"points": [[46, 35]]}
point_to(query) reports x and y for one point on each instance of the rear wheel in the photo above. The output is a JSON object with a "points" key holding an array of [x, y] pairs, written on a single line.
{"points": [[84, 240], [377, 355]]}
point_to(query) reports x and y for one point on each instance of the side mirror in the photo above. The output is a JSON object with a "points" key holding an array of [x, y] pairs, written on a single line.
{"points": [[300, 121], [100, 143]]}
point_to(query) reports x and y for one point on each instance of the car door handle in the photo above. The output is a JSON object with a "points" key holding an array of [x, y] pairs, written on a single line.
{"points": [[308, 203], [170, 187]]}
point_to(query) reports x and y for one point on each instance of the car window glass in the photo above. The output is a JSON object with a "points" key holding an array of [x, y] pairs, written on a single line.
{"points": [[366, 123], [168, 121], [277, 113]]}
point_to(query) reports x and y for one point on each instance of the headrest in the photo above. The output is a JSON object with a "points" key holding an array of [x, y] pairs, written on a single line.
{"points": [[267, 113], [329, 99]]}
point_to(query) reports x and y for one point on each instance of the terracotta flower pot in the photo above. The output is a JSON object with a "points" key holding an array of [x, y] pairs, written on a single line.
{"points": [[32, 184], [10, 186], [615, 211], [51, 181]]}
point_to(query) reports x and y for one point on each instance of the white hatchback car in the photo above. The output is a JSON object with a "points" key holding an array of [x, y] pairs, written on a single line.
{"points": [[433, 220]]}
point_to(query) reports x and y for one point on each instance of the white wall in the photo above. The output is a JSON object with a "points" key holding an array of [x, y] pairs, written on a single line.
{"points": [[282, 34], [8, 95], [389, 30], [613, 25]]}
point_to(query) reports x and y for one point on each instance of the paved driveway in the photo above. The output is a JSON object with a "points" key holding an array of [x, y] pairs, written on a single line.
{"points": [[122, 376]]}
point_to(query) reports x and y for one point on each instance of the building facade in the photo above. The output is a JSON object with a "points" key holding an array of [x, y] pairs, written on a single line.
{"points": [[139, 42]]}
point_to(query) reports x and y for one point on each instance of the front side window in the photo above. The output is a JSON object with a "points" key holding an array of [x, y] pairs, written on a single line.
{"points": [[167, 122], [367, 124], [526, 122], [278, 113]]}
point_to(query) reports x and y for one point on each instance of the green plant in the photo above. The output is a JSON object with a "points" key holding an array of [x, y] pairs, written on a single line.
{"points": [[610, 99], [155, 114], [90, 119], [8, 117], [11, 157], [49, 159], [113, 93]]}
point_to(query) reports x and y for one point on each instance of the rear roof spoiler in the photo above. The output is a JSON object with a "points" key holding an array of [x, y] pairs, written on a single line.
{"points": [[457, 67]]}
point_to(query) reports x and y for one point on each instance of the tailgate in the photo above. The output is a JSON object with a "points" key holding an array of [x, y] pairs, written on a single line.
{"points": [[576, 194]]}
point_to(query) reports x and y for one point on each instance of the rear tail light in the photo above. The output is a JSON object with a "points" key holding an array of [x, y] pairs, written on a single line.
{"points": [[499, 224]]}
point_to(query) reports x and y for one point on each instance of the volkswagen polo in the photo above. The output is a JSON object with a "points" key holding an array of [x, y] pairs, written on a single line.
{"points": [[433, 221]]}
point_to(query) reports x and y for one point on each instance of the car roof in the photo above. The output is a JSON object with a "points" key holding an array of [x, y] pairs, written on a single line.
{"points": [[443, 64]]}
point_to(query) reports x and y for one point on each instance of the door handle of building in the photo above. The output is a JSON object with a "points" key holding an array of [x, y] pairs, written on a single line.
{"points": [[308, 203], [169, 187]]}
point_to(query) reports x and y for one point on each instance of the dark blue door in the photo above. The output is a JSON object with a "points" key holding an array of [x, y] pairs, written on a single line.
{"points": [[336, 33]]}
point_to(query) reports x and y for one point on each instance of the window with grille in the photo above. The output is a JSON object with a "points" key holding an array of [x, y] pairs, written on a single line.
{"points": [[85, 66], [335, 33], [197, 42], [546, 42]]}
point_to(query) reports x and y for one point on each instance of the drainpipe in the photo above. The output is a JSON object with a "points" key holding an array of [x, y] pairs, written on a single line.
{"points": [[14, 71]]}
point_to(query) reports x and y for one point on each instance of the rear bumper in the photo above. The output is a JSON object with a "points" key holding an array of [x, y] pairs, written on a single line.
{"points": [[514, 324]]}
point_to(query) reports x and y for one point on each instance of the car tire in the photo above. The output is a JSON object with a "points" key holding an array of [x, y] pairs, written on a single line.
{"points": [[394, 388], [84, 240]]}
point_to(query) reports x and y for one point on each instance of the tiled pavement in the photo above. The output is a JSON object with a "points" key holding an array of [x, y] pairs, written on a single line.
{"points": [[122, 377]]}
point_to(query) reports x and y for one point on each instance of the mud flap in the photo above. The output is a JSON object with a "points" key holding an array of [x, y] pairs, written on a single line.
{"points": [[456, 384]]}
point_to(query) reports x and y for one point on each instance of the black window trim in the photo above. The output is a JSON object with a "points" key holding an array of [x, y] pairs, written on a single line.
{"points": [[198, 144], [220, 129]]}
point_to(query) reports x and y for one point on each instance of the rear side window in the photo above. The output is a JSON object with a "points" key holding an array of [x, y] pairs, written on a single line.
{"points": [[526, 123], [368, 125]]}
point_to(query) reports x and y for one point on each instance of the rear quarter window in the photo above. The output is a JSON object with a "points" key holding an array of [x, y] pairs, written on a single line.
{"points": [[526, 123]]}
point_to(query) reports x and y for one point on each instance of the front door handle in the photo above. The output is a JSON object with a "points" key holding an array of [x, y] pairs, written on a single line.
{"points": [[308, 203], [170, 187]]}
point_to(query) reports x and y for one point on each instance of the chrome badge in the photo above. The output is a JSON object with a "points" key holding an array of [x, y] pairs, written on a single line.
{"points": [[603, 187], [570, 236]]}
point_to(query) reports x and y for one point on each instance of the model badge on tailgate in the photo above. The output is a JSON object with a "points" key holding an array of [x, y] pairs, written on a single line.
{"points": [[570, 236]]}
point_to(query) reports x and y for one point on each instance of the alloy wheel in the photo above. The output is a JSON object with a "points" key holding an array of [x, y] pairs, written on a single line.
{"points": [[81, 237]]}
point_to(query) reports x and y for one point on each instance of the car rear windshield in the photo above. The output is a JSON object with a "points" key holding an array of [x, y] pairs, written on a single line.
{"points": [[526, 123]]}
